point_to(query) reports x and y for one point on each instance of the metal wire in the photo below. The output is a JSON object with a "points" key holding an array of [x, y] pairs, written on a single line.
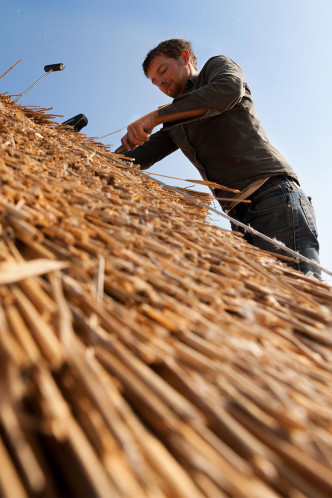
{"points": [[249, 229], [26, 91]]}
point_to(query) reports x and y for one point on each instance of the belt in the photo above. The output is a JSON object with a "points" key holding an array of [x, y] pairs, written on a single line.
{"points": [[254, 187], [247, 192]]}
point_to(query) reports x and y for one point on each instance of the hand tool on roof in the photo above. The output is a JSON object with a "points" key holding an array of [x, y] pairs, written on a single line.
{"points": [[120, 150], [76, 123], [50, 68]]}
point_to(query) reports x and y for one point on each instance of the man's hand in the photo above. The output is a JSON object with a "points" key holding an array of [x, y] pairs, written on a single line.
{"points": [[139, 131]]}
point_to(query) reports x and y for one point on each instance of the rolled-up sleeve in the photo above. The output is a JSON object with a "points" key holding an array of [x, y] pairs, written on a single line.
{"points": [[222, 88], [156, 148]]}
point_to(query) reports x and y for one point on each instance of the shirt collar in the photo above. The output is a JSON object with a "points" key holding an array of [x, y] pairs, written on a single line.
{"points": [[190, 83]]}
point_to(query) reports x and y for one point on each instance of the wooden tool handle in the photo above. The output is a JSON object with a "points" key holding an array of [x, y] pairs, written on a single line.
{"points": [[120, 150]]}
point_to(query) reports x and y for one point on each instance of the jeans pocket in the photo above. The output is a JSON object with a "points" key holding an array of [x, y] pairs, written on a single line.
{"points": [[273, 197], [309, 215]]}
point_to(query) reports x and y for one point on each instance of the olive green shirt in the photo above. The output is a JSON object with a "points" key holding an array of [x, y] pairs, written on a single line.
{"points": [[227, 144]]}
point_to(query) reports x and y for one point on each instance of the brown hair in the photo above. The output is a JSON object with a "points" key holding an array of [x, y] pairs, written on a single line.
{"points": [[169, 48]]}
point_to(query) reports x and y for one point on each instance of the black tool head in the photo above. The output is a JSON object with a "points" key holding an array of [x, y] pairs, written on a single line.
{"points": [[54, 67], [77, 122]]}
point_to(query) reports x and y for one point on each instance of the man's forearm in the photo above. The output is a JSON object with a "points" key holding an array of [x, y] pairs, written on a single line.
{"points": [[177, 116], [140, 130], [155, 149]]}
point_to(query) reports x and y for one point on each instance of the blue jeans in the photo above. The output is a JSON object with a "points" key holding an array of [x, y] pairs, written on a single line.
{"points": [[280, 209]]}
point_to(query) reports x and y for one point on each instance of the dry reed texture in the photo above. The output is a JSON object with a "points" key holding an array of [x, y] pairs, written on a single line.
{"points": [[145, 352]]}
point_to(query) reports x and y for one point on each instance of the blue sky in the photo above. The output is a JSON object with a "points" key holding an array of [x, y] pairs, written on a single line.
{"points": [[283, 47]]}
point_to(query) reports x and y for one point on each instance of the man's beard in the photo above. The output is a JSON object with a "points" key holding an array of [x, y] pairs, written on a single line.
{"points": [[175, 90]]}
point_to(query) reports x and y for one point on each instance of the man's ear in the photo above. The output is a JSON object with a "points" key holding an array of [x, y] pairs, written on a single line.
{"points": [[185, 56]]}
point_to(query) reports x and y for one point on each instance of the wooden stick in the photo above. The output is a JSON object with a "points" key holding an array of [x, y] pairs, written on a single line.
{"points": [[43, 333], [22, 333], [79, 443], [248, 201], [10, 273], [23, 451], [200, 182], [11, 68], [10, 482]]}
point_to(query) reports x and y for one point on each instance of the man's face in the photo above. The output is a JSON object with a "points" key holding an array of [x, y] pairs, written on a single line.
{"points": [[169, 75]]}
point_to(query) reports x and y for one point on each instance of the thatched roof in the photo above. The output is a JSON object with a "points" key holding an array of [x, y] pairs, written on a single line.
{"points": [[144, 351]]}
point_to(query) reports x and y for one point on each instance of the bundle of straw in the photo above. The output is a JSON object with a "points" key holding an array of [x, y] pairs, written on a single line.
{"points": [[144, 351]]}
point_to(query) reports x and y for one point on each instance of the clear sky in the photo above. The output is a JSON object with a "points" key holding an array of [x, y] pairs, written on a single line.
{"points": [[283, 47]]}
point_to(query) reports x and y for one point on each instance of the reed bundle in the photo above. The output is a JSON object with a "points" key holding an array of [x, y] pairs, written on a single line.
{"points": [[144, 351]]}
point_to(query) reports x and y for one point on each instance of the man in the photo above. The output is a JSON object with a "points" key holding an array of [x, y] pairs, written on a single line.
{"points": [[212, 119]]}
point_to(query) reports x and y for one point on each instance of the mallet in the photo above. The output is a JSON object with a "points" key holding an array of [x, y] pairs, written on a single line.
{"points": [[76, 123], [48, 69]]}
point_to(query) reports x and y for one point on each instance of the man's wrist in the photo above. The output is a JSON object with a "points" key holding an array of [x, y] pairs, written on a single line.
{"points": [[157, 120]]}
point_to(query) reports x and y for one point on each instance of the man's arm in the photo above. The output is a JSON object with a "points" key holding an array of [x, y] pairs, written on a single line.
{"points": [[139, 131], [156, 148], [222, 88]]}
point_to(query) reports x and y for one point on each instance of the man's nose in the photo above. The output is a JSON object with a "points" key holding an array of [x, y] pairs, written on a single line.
{"points": [[160, 82]]}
